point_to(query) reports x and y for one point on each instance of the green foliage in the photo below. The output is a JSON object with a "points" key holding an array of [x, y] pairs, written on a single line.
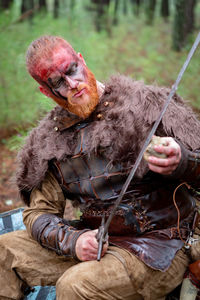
{"points": [[135, 49], [15, 142]]}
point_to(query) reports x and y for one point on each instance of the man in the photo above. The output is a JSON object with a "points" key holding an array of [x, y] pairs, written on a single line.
{"points": [[83, 150]]}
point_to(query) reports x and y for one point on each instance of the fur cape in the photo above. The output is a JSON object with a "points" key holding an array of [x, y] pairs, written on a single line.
{"points": [[127, 118]]}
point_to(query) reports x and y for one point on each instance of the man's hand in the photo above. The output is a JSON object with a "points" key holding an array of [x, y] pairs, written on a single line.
{"points": [[165, 166], [87, 246]]}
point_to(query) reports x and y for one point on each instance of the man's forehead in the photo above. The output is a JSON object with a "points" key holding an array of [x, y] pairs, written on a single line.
{"points": [[64, 53], [59, 62]]}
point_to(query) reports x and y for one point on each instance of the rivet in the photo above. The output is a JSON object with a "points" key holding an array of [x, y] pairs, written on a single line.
{"points": [[106, 103], [56, 128], [99, 116], [55, 118]]}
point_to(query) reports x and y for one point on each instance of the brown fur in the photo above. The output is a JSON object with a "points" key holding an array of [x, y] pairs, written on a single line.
{"points": [[133, 109]]}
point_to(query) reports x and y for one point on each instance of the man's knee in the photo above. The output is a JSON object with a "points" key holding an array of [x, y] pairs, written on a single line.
{"points": [[73, 284], [106, 279]]}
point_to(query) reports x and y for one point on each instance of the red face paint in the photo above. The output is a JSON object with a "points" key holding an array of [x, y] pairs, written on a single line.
{"points": [[70, 82]]}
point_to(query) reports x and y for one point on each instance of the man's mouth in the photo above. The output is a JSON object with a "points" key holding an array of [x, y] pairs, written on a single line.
{"points": [[79, 93]]}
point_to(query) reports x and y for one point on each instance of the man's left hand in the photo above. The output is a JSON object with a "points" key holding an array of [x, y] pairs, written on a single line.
{"points": [[165, 166]]}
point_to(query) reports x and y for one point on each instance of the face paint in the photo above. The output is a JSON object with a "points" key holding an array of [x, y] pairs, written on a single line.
{"points": [[69, 82]]}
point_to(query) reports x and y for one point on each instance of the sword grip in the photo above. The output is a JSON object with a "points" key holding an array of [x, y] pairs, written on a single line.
{"points": [[101, 238]]}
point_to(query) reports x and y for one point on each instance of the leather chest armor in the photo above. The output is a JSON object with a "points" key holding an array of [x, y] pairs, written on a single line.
{"points": [[95, 183]]}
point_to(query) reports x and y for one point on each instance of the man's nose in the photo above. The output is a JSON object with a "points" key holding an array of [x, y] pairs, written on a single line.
{"points": [[71, 82]]}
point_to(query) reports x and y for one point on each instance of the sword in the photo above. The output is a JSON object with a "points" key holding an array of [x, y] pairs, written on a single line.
{"points": [[102, 234]]}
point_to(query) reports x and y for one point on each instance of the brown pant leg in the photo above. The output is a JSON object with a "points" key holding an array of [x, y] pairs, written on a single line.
{"points": [[154, 284], [104, 280], [34, 264], [116, 279], [109, 279]]}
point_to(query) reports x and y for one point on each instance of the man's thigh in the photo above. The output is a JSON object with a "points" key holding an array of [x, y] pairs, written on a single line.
{"points": [[120, 275], [108, 279], [34, 264]]}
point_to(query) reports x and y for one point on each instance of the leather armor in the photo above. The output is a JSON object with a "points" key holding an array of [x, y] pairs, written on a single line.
{"points": [[147, 205], [146, 220]]}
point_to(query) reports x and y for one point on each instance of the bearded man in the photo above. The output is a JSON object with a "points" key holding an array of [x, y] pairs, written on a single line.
{"points": [[83, 150]]}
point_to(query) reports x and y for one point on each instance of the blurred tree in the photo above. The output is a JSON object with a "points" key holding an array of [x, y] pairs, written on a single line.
{"points": [[27, 9], [190, 16], [5, 4], [72, 5], [164, 9], [116, 7], [56, 9], [101, 18], [43, 5], [136, 6], [150, 11], [125, 7], [183, 22]]}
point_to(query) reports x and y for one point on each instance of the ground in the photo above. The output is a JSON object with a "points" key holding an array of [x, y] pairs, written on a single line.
{"points": [[9, 198]]}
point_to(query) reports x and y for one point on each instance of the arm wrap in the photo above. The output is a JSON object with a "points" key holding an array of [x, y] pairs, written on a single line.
{"points": [[189, 167], [56, 234], [192, 172]]}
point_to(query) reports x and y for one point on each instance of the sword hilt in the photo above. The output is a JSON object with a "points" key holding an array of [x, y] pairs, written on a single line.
{"points": [[102, 237]]}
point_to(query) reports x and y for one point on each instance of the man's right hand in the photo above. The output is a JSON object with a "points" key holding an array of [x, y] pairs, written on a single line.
{"points": [[87, 246]]}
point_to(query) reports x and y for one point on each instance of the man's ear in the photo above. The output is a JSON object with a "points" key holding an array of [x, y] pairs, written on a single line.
{"points": [[81, 57], [44, 91]]}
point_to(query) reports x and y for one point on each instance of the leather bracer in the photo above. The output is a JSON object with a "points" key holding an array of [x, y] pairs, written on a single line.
{"points": [[191, 173], [56, 234], [189, 167]]}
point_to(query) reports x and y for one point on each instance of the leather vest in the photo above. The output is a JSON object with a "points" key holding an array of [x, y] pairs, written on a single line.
{"points": [[95, 183]]}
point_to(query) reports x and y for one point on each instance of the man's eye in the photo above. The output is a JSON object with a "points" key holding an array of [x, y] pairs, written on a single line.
{"points": [[58, 83], [72, 69]]}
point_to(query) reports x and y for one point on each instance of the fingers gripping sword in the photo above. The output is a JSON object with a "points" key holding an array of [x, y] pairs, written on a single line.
{"points": [[102, 235]]}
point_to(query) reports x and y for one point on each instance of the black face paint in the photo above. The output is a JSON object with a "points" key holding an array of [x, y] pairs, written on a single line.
{"points": [[53, 91]]}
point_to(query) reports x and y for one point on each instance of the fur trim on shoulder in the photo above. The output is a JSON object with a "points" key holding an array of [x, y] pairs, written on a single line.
{"points": [[43, 144]]}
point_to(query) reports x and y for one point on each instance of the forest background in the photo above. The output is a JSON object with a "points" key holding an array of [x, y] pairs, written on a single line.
{"points": [[145, 39]]}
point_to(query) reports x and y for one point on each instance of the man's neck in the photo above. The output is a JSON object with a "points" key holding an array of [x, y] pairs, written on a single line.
{"points": [[100, 88]]}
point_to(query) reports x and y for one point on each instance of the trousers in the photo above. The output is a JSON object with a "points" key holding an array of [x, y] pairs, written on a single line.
{"points": [[118, 275]]}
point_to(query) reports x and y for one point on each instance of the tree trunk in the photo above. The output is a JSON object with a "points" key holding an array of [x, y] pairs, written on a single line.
{"points": [[43, 5], [115, 18], [28, 6], [189, 16], [125, 7], [5, 4], [164, 9], [101, 18], [150, 11], [23, 6], [56, 9], [178, 35], [136, 6]]}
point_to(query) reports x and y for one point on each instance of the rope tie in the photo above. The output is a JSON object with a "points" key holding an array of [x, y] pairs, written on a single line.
{"points": [[178, 211]]}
